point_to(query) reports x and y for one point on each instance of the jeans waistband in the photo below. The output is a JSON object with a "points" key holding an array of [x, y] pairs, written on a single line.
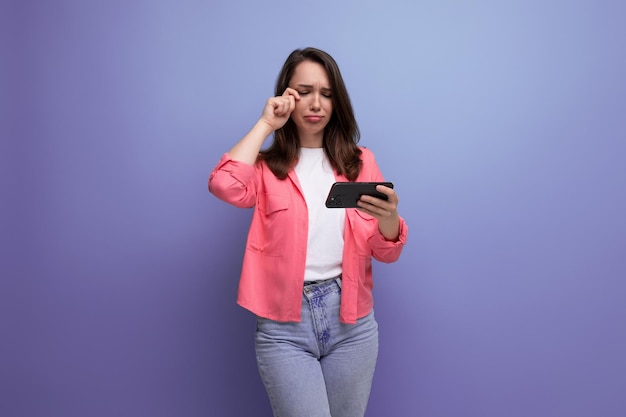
{"points": [[322, 281]]}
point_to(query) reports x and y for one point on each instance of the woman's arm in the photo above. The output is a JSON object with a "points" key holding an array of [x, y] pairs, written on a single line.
{"points": [[232, 179], [275, 114]]}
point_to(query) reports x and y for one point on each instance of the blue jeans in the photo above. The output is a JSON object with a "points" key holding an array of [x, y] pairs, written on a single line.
{"points": [[318, 367]]}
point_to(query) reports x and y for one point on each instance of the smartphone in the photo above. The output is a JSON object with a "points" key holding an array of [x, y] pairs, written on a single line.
{"points": [[346, 194]]}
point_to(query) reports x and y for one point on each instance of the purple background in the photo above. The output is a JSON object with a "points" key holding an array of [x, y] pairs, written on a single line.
{"points": [[502, 124]]}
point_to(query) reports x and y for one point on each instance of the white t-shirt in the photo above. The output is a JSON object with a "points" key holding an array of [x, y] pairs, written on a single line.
{"points": [[325, 239]]}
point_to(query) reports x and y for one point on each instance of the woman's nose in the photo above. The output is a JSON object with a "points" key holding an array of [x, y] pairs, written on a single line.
{"points": [[315, 103]]}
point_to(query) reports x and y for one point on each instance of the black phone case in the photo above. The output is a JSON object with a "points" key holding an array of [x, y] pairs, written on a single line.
{"points": [[346, 194]]}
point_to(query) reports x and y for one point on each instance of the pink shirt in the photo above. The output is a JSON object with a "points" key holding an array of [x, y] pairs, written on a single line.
{"points": [[272, 274]]}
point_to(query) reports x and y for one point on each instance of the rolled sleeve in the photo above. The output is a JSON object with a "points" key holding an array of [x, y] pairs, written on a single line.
{"points": [[233, 182], [384, 250]]}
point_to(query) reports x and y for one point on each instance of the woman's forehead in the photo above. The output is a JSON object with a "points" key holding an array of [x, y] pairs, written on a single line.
{"points": [[310, 73]]}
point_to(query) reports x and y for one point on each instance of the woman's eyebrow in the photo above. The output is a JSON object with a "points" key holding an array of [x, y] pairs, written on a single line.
{"points": [[310, 86]]}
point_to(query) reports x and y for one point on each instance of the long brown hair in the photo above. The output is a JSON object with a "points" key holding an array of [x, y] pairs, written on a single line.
{"points": [[341, 134]]}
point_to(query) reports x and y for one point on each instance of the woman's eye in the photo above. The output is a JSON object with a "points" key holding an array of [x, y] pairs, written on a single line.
{"points": [[327, 95], [302, 93]]}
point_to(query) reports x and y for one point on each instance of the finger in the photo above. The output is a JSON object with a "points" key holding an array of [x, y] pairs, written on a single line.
{"points": [[373, 210], [286, 105], [391, 194], [385, 190], [377, 205], [289, 105], [292, 103], [276, 106], [373, 203], [281, 106], [291, 92]]}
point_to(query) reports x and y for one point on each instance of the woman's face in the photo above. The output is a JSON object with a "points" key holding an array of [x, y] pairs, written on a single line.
{"points": [[315, 107]]}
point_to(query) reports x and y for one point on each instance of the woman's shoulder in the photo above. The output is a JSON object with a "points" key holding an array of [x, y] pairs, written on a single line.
{"points": [[260, 164], [366, 153], [369, 168]]}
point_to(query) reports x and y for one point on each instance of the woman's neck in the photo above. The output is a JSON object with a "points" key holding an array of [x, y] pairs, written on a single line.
{"points": [[313, 141]]}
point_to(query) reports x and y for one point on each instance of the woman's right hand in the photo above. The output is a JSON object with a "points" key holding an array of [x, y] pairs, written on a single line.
{"points": [[278, 109]]}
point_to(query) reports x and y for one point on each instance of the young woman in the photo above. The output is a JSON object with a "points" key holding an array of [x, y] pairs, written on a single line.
{"points": [[307, 272]]}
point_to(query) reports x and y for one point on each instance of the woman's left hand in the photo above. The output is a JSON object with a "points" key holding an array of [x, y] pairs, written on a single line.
{"points": [[386, 211]]}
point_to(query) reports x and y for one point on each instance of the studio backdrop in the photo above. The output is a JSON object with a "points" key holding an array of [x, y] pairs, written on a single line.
{"points": [[501, 124]]}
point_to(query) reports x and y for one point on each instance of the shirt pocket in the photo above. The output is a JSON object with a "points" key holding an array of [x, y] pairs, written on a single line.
{"points": [[364, 226], [365, 216], [272, 224]]}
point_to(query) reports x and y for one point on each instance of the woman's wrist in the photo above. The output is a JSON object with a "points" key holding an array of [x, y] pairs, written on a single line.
{"points": [[390, 228]]}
